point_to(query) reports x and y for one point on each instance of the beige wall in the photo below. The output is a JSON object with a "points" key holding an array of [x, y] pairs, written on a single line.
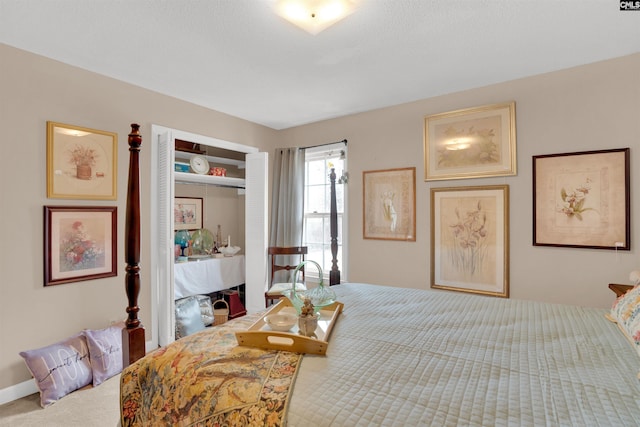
{"points": [[592, 107], [587, 108], [34, 90]]}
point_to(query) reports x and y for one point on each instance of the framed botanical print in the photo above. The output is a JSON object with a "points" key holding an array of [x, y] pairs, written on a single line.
{"points": [[389, 204], [582, 199], [470, 239], [470, 143]]}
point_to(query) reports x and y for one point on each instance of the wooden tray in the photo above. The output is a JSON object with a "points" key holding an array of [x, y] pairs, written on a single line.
{"points": [[262, 336]]}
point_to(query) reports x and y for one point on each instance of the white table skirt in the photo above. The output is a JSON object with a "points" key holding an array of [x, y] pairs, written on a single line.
{"points": [[208, 275]]}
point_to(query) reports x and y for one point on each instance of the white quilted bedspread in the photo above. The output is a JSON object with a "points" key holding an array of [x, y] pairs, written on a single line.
{"points": [[406, 357]]}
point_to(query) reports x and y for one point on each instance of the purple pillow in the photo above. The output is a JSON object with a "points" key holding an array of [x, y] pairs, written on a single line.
{"points": [[59, 368], [105, 348]]}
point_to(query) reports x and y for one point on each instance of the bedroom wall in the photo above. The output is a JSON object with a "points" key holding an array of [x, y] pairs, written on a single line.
{"points": [[592, 107], [34, 90]]}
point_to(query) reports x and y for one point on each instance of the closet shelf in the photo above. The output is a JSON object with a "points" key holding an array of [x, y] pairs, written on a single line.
{"points": [[183, 155], [222, 181]]}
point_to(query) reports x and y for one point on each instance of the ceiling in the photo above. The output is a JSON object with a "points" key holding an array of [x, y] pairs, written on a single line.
{"points": [[240, 58]]}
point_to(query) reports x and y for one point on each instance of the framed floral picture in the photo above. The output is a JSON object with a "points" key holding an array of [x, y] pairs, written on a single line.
{"points": [[187, 213], [470, 143], [389, 204], [79, 243], [81, 163], [470, 239], [582, 199]]}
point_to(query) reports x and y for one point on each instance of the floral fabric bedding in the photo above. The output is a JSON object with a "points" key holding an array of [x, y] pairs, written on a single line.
{"points": [[206, 379]]}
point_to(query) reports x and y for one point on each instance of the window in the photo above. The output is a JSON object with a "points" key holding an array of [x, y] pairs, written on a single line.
{"points": [[317, 206]]}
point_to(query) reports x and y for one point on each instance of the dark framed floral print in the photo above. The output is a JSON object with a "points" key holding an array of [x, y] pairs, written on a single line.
{"points": [[79, 243], [582, 199]]}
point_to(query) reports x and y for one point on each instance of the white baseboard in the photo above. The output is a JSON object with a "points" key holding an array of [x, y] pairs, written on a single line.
{"points": [[18, 391], [28, 387]]}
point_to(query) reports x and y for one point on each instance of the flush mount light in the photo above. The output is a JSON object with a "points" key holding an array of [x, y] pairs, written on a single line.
{"points": [[314, 16]]}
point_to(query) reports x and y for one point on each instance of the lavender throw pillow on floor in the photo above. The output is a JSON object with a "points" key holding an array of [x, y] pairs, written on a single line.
{"points": [[105, 348], [59, 368]]}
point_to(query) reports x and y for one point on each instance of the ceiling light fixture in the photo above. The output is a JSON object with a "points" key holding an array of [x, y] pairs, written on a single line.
{"points": [[314, 16]]}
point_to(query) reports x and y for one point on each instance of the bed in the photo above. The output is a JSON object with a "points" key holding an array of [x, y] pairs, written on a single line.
{"points": [[396, 357], [415, 357]]}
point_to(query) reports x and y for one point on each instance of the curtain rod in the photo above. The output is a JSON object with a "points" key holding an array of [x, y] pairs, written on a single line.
{"points": [[344, 141]]}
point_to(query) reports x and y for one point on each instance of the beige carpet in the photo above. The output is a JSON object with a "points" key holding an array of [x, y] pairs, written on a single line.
{"points": [[88, 407]]}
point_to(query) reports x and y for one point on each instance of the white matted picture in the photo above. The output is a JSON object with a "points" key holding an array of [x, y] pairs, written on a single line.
{"points": [[470, 239], [582, 199], [389, 204], [470, 143], [187, 213]]}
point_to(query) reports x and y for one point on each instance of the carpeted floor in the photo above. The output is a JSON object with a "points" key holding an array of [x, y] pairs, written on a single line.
{"points": [[89, 407]]}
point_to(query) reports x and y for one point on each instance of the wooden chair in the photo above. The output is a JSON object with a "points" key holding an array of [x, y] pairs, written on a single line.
{"points": [[287, 259]]}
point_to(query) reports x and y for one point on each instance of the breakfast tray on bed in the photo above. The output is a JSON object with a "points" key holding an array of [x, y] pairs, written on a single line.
{"points": [[262, 336]]}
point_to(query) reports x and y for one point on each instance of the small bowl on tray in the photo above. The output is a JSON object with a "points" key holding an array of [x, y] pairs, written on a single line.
{"points": [[282, 321]]}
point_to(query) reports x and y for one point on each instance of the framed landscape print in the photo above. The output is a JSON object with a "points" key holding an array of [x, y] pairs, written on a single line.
{"points": [[81, 163], [470, 143], [79, 243], [187, 213], [389, 204], [470, 239], [582, 199]]}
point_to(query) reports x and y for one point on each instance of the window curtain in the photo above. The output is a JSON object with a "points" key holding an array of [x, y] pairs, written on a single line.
{"points": [[287, 197]]}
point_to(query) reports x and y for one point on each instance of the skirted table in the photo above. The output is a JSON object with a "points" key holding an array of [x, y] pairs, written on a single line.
{"points": [[209, 275]]}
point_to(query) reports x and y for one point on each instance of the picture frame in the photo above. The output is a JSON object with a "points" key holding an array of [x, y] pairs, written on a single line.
{"points": [[187, 213], [80, 243], [389, 204], [471, 143], [582, 199], [81, 163], [470, 239]]}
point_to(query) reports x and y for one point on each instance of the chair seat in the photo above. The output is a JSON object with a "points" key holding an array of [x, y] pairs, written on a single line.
{"points": [[279, 288]]}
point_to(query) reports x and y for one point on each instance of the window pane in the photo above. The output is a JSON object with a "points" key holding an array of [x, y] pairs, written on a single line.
{"points": [[339, 197], [316, 172], [313, 230], [315, 200]]}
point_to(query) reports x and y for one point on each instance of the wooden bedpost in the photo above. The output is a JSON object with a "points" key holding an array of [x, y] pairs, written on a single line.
{"points": [[334, 274], [133, 341]]}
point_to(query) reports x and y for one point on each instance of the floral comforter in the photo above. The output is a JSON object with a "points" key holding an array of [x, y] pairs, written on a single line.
{"points": [[206, 379]]}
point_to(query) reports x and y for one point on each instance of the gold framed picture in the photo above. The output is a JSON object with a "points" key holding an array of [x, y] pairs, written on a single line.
{"points": [[389, 204], [81, 163], [470, 239], [470, 143], [582, 200]]}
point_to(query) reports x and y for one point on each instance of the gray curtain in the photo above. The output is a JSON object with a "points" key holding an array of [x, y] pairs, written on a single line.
{"points": [[287, 198]]}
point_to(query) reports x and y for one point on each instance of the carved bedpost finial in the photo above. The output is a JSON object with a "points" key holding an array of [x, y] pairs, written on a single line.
{"points": [[133, 341]]}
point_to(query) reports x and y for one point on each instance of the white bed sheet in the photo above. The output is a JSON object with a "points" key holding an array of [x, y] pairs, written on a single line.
{"points": [[404, 357]]}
